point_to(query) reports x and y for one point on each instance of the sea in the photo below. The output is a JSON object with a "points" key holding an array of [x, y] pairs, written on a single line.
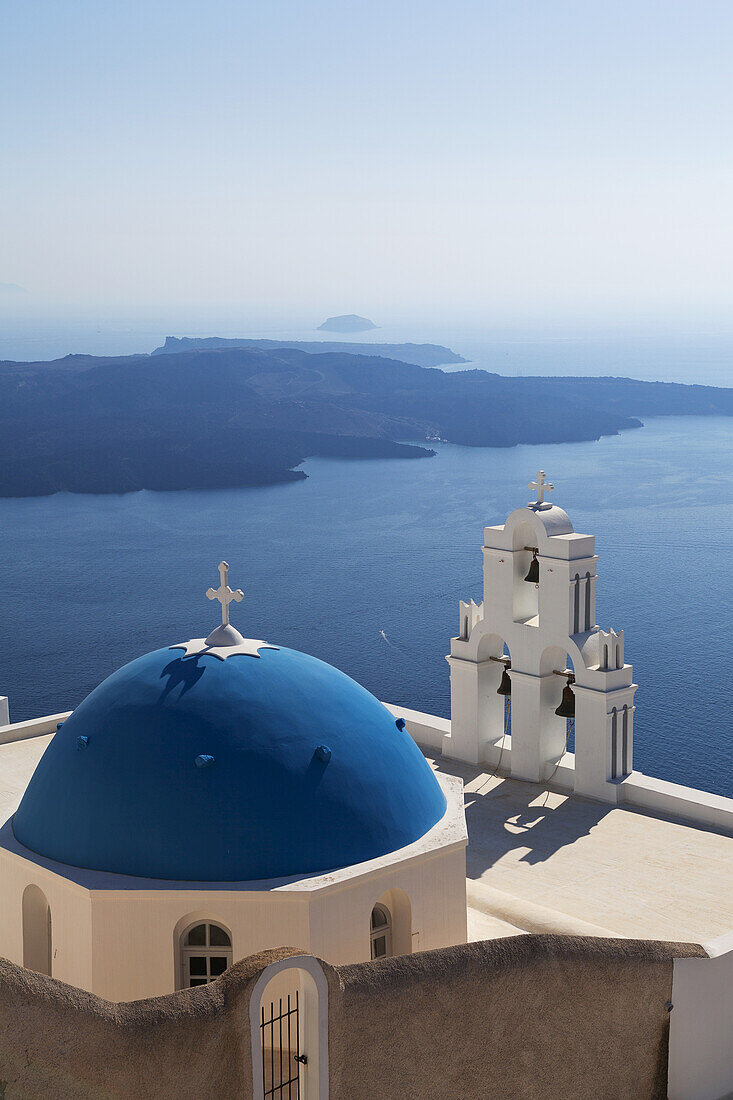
{"points": [[363, 564]]}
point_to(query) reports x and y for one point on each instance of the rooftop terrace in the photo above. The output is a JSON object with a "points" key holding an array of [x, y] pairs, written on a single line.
{"points": [[538, 860]]}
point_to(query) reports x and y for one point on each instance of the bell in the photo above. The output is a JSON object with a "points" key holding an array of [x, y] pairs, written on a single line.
{"points": [[505, 687], [533, 574], [567, 703]]}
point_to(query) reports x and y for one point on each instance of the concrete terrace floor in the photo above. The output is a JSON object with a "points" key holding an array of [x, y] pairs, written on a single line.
{"points": [[18, 761], [628, 872]]}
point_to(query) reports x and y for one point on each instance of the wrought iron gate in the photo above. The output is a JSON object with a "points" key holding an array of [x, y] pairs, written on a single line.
{"points": [[280, 1042]]}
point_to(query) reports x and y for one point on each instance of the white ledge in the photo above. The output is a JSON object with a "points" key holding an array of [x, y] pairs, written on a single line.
{"points": [[21, 731], [637, 791]]}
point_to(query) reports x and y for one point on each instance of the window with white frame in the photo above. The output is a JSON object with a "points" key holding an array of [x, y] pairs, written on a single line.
{"points": [[206, 952], [381, 932]]}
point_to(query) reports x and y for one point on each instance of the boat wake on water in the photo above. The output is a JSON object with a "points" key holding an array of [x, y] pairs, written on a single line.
{"points": [[394, 645]]}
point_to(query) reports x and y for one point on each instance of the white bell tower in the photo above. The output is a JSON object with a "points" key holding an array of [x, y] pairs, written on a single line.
{"points": [[537, 620]]}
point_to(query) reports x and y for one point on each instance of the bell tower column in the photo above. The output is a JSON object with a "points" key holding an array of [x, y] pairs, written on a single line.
{"points": [[604, 745], [538, 735], [477, 707], [464, 711]]}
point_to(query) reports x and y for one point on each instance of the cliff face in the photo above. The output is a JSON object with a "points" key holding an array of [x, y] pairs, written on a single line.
{"points": [[247, 416]]}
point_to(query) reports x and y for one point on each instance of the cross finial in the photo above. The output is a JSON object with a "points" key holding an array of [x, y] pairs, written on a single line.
{"points": [[224, 594], [541, 487]]}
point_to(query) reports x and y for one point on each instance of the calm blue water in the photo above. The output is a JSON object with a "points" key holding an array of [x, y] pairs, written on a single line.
{"points": [[362, 547]]}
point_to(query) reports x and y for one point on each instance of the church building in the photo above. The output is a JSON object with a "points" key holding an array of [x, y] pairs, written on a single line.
{"points": [[219, 797]]}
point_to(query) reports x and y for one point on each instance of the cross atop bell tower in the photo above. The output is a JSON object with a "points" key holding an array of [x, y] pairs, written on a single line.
{"points": [[540, 486]]}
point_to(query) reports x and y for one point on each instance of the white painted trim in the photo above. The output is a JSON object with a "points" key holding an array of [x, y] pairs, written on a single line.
{"points": [[312, 967], [21, 731], [723, 945]]}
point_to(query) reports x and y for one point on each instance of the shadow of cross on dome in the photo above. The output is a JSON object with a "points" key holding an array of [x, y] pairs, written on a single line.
{"points": [[185, 671]]}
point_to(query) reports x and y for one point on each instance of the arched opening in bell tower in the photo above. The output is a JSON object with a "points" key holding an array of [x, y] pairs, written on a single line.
{"points": [[557, 719], [495, 700], [526, 576], [566, 706]]}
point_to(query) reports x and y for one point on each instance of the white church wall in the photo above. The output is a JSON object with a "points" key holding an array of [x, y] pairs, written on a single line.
{"points": [[71, 927], [431, 873], [700, 1048], [435, 887], [136, 934]]}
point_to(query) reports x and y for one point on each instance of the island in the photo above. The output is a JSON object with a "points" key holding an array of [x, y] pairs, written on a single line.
{"points": [[347, 322], [424, 355], [239, 416]]}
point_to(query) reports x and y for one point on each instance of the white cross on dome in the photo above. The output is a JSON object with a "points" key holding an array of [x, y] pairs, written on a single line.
{"points": [[224, 594]]}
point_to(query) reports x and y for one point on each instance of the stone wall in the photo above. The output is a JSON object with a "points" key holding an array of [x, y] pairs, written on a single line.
{"points": [[526, 1017], [551, 1016]]}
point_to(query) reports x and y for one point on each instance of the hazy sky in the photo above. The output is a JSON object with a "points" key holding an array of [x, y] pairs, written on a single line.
{"points": [[465, 158]]}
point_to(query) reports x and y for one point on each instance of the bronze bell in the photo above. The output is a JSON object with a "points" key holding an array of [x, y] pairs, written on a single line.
{"points": [[505, 687], [533, 574], [567, 703]]}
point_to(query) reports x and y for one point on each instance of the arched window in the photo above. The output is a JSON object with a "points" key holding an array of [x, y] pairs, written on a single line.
{"points": [[381, 932], [206, 952], [37, 950], [587, 602], [576, 605], [605, 657], [465, 627]]}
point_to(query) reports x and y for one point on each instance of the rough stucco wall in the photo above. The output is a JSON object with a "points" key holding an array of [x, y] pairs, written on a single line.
{"points": [[551, 1016], [62, 1042]]}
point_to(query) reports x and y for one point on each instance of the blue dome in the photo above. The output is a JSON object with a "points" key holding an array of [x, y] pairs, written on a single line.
{"points": [[206, 770]]}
